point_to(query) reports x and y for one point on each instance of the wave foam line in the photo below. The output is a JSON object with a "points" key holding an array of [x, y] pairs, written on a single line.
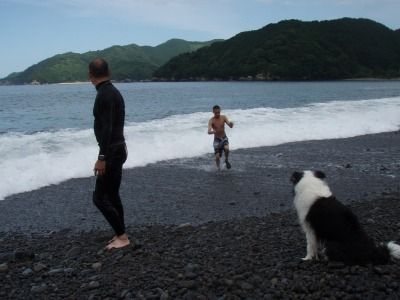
{"points": [[37, 160]]}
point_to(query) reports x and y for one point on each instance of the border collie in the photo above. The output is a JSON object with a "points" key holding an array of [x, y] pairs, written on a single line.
{"points": [[331, 225]]}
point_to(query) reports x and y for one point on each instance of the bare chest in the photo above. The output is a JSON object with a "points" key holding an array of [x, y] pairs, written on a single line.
{"points": [[217, 123]]}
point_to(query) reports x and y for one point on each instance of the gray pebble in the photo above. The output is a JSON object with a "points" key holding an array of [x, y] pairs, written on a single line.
{"points": [[27, 272], [75, 251], [37, 289], [37, 267], [93, 285], [97, 266], [3, 267], [55, 271]]}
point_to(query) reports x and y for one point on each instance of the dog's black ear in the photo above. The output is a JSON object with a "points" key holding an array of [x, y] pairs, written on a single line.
{"points": [[319, 174], [296, 177]]}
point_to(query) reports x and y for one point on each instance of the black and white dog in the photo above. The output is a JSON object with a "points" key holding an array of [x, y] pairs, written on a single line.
{"points": [[333, 226]]}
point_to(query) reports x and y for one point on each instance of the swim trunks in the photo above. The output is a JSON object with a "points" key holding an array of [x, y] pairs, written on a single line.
{"points": [[219, 144]]}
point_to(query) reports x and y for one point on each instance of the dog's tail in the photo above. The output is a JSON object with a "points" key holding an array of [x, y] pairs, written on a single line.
{"points": [[394, 250]]}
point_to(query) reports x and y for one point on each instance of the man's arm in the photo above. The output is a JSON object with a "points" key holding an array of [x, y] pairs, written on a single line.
{"points": [[230, 124], [106, 118], [210, 129]]}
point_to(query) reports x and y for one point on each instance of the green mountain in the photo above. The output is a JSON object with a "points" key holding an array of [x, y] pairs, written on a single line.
{"points": [[295, 50], [131, 62]]}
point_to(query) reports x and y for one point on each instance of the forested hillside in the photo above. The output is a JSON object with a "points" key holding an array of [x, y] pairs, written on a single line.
{"points": [[131, 62], [295, 50]]}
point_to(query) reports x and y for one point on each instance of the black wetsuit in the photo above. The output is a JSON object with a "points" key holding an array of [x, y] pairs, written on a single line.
{"points": [[109, 117]]}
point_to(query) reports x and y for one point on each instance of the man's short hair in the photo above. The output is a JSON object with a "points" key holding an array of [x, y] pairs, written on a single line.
{"points": [[99, 68], [216, 107]]}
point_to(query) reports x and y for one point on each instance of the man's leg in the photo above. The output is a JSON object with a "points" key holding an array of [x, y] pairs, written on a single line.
{"points": [[120, 156], [226, 150], [218, 160], [217, 152], [113, 190], [106, 198]]}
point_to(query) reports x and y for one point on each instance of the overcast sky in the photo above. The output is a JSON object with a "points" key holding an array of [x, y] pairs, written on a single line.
{"points": [[33, 30]]}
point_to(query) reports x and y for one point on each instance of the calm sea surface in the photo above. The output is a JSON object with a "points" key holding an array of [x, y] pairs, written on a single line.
{"points": [[50, 107], [46, 131]]}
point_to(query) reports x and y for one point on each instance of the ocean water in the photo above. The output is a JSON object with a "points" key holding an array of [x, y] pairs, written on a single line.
{"points": [[46, 133]]}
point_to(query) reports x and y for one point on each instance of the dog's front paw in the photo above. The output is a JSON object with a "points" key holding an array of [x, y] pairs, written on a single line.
{"points": [[308, 257]]}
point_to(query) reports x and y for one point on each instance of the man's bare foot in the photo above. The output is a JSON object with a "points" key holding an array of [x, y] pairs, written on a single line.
{"points": [[119, 242]]}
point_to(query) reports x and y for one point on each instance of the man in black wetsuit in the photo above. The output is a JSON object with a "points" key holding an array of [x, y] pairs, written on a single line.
{"points": [[109, 117]]}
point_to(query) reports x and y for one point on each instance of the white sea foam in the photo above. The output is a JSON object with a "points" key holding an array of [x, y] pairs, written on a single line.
{"points": [[36, 160]]}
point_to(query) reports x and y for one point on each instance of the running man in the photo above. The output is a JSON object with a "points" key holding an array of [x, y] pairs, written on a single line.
{"points": [[216, 126]]}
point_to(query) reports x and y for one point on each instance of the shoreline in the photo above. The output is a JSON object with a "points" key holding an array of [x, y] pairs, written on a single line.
{"points": [[191, 191], [213, 80], [199, 234]]}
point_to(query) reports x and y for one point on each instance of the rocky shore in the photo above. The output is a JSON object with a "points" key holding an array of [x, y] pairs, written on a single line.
{"points": [[199, 234], [249, 258]]}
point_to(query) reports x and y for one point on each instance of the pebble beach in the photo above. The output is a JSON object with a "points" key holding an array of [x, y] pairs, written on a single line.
{"points": [[202, 234]]}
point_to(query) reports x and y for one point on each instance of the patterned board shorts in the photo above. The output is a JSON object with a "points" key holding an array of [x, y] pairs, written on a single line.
{"points": [[219, 144]]}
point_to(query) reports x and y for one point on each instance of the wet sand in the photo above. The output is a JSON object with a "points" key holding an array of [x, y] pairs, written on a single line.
{"points": [[192, 191]]}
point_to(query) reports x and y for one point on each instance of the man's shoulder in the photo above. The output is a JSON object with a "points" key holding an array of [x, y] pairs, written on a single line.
{"points": [[109, 92]]}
